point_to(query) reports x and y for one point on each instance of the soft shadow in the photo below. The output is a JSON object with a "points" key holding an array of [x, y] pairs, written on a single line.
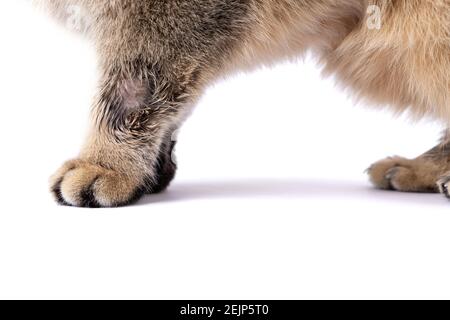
{"points": [[285, 189]]}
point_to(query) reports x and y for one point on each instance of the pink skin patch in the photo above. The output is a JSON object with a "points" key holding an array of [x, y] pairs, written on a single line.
{"points": [[133, 93]]}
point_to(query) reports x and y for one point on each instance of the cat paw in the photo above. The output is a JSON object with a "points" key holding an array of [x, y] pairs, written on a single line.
{"points": [[83, 184], [402, 174]]}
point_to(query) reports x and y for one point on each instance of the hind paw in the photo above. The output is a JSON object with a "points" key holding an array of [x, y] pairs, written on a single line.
{"points": [[402, 174]]}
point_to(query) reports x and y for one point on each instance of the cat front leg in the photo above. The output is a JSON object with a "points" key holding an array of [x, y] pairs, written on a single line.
{"points": [[128, 151]]}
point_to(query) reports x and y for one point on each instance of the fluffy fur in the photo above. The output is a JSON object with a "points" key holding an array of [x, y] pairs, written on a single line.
{"points": [[157, 57]]}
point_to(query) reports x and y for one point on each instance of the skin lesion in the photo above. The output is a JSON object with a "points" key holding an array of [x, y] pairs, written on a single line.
{"points": [[134, 93]]}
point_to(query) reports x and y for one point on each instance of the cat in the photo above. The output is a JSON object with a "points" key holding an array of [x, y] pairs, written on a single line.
{"points": [[158, 56]]}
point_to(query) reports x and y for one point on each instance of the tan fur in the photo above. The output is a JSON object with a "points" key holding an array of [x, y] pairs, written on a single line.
{"points": [[156, 61], [405, 64]]}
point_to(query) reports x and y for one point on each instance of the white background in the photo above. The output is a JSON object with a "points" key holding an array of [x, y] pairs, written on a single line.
{"points": [[273, 203]]}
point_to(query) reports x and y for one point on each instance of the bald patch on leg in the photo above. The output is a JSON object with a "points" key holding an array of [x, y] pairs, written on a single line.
{"points": [[134, 93]]}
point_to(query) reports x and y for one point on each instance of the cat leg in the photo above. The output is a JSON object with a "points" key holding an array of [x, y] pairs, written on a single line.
{"points": [[128, 150]]}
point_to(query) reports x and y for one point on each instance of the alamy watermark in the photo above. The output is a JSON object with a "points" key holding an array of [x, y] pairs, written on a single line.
{"points": [[374, 17]]}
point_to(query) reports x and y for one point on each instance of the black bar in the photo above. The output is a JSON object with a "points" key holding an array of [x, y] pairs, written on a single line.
{"points": [[197, 310]]}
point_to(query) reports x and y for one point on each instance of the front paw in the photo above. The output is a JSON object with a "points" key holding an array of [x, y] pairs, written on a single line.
{"points": [[83, 184]]}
